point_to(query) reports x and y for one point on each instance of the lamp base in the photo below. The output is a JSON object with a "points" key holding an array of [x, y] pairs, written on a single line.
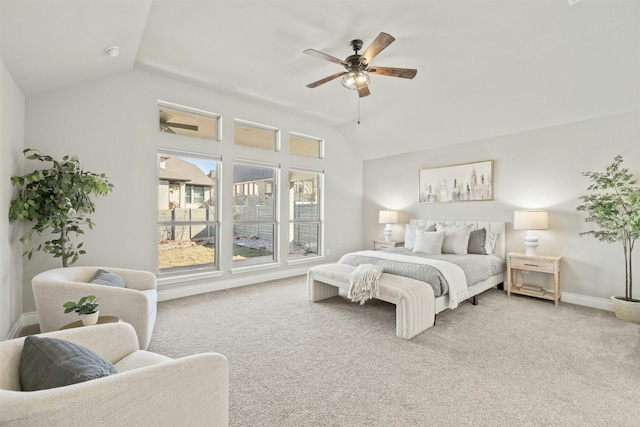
{"points": [[531, 243], [387, 233]]}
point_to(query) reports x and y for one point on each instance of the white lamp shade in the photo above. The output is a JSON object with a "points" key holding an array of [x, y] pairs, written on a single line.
{"points": [[388, 217], [530, 220]]}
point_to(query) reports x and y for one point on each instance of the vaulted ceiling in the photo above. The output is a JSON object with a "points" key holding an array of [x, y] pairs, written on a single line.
{"points": [[485, 67]]}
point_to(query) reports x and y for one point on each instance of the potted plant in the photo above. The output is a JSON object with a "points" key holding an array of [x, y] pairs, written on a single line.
{"points": [[86, 308], [614, 205], [56, 198]]}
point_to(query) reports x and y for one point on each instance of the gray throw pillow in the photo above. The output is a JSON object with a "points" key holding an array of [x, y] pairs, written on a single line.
{"points": [[50, 362], [109, 279], [476, 242]]}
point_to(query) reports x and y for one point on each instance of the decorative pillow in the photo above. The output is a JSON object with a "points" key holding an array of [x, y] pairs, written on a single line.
{"points": [[429, 242], [456, 239], [477, 240], [50, 362], [410, 234], [109, 279], [490, 242]]}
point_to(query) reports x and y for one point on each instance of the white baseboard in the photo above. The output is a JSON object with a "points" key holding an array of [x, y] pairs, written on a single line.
{"points": [[24, 320], [587, 301]]}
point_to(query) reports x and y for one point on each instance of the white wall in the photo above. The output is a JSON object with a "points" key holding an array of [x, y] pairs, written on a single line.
{"points": [[111, 125], [11, 145], [540, 168]]}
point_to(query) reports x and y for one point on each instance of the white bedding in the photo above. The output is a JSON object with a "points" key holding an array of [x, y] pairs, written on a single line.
{"points": [[454, 275]]}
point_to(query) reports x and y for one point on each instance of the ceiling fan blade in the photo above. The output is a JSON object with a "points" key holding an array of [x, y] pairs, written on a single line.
{"points": [[183, 126], [405, 73], [326, 79], [378, 45], [363, 90], [318, 54]]}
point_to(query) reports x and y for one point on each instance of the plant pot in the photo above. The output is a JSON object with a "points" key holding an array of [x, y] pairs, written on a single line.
{"points": [[626, 310], [89, 319]]}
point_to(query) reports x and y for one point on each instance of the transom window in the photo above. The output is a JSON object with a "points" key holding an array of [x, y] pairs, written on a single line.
{"points": [[307, 146], [255, 136], [181, 120]]}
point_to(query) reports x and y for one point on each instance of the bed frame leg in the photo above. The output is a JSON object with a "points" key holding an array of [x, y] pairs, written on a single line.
{"points": [[474, 300]]}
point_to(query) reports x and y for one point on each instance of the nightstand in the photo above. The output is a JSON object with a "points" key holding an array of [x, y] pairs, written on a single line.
{"points": [[550, 264], [379, 245]]}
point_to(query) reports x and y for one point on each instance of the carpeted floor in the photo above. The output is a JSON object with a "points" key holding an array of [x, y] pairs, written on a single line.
{"points": [[505, 362], [515, 361]]}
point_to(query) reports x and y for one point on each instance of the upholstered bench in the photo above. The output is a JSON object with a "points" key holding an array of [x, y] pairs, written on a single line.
{"points": [[414, 300]]}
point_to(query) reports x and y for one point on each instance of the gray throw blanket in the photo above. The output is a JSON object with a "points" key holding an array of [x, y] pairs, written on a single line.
{"points": [[424, 273]]}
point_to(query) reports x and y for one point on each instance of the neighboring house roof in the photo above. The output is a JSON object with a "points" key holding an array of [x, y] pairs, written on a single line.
{"points": [[177, 169], [250, 174]]}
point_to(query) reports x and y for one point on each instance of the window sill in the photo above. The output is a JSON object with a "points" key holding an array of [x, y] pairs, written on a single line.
{"points": [[171, 279], [252, 268], [305, 260]]}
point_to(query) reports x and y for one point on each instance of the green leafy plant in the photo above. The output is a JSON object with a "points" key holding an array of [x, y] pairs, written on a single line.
{"points": [[56, 198], [614, 205], [86, 305]]}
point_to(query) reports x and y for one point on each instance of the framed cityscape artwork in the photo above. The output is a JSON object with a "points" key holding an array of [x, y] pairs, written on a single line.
{"points": [[456, 183]]}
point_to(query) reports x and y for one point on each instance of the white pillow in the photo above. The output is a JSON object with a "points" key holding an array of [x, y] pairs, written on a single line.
{"points": [[410, 234], [429, 242], [456, 239], [490, 242]]}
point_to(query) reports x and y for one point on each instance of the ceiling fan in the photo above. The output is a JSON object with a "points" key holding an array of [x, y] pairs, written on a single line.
{"points": [[166, 125], [359, 66]]}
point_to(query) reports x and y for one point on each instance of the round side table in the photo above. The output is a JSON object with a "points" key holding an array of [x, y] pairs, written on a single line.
{"points": [[101, 319]]}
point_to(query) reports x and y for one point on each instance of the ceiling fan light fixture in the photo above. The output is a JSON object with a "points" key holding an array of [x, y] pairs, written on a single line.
{"points": [[353, 78]]}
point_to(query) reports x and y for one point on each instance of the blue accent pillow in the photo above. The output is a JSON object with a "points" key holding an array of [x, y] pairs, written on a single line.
{"points": [[50, 362], [108, 279]]}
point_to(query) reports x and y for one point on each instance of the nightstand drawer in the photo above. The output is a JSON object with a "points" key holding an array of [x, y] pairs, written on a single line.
{"points": [[535, 264], [380, 246]]}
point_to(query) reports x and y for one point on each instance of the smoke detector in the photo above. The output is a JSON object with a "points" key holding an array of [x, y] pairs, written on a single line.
{"points": [[112, 51]]}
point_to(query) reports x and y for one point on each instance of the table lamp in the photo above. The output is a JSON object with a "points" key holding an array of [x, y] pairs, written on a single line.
{"points": [[388, 217], [530, 220]]}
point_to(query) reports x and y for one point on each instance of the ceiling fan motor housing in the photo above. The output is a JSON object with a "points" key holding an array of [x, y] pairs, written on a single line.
{"points": [[354, 62]]}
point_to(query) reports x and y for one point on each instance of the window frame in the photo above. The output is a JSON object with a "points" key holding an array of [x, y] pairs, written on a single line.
{"points": [[196, 112], [320, 142], [214, 223], [275, 221], [320, 219], [276, 143]]}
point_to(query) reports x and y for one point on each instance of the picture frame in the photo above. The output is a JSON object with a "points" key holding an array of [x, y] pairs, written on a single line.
{"points": [[456, 183]]}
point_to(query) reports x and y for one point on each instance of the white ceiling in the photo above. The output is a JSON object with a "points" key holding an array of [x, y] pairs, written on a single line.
{"points": [[485, 67]]}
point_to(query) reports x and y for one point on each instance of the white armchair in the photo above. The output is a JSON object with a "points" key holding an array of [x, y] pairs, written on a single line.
{"points": [[135, 304], [150, 389]]}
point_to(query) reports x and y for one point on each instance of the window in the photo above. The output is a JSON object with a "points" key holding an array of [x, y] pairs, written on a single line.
{"points": [[194, 194], [188, 225], [180, 120], [305, 225], [256, 136], [254, 213], [307, 146]]}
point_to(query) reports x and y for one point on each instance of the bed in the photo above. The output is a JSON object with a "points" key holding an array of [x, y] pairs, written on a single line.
{"points": [[419, 297]]}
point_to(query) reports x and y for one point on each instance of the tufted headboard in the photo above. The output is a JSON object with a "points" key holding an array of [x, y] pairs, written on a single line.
{"points": [[497, 227]]}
